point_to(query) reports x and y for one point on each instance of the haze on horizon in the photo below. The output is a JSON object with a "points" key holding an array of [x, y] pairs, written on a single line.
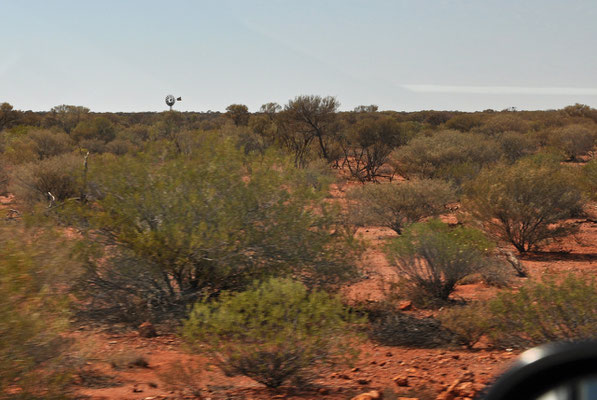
{"points": [[401, 55]]}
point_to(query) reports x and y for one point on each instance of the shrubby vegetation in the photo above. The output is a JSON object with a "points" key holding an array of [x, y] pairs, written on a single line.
{"points": [[537, 313], [526, 203], [450, 155], [232, 213], [433, 258], [217, 220], [399, 205], [35, 268], [275, 332]]}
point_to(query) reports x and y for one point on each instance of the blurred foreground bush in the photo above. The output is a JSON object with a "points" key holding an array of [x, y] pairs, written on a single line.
{"points": [[181, 227], [34, 270]]}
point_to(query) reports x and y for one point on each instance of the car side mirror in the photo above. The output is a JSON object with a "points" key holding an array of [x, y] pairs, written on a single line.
{"points": [[554, 371]]}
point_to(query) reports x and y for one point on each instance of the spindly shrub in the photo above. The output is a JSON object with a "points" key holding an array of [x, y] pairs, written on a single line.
{"points": [[432, 257], [526, 203], [398, 205]]}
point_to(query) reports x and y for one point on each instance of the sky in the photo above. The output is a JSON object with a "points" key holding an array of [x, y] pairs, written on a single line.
{"points": [[403, 55]]}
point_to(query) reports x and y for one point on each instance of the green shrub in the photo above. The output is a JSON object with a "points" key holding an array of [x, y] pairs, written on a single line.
{"points": [[97, 128], [199, 224], [516, 145], [465, 122], [61, 176], [526, 203], [450, 155], [367, 146], [35, 269], [275, 332], [504, 122], [467, 323], [398, 205], [589, 179], [432, 257], [574, 140], [545, 311], [49, 144]]}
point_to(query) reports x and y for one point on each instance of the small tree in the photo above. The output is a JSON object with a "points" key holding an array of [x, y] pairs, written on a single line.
{"points": [[526, 203], [306, 119], [274, 332], [367, 146], [239, 113], [432, 257], [398, 205]]}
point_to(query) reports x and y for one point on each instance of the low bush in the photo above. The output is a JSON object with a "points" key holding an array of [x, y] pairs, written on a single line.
{"points": [[449, 155], [398, 205], [526, 203], [276, 332], [574, 140], [467, 323], [61, 176], [433, 257], [399, 329], [545, 311], [35, 269], [515, 145]]}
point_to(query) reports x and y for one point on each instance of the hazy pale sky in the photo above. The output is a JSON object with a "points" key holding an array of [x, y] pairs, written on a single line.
{"points": [[118, 55]]}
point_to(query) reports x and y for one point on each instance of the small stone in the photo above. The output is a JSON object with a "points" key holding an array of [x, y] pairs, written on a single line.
{"points": [[147, 330], [324, 391], [388, 354], [405, 305], [355, 369], [363, 381], [372, 395], [401, 380], [137, 390]]}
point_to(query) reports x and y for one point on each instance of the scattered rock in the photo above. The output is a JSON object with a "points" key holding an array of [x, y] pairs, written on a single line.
{"points": [[388, 354], [147, 330], [137, 390], [324, 391], [344, 376], [364, 381], [405, 305], [401, 380], [355, 369], [372, 395]]}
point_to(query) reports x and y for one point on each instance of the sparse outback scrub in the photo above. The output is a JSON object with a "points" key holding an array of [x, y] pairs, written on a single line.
{"points": [[398, 205], [526, 203], [450, 155], [184, 227], [276, 332], [432, 257]]}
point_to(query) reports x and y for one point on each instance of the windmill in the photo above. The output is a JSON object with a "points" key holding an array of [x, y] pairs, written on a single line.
{"points": [[170, 100]]}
